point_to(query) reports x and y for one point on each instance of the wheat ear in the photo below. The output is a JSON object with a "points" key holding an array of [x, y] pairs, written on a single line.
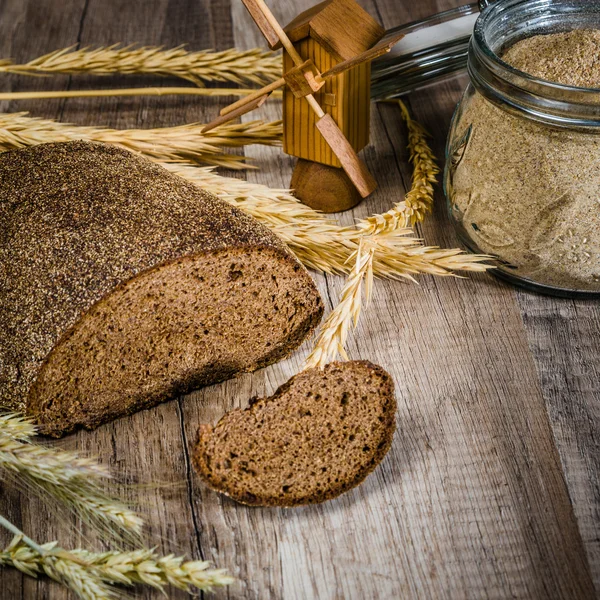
{"points": [[182, 143], [334, 332], [71, 479], [317, 240], [33, 559], [90, 574], [250, 66], [320, 243], [417, 203], [16, 426], [381, 235]]}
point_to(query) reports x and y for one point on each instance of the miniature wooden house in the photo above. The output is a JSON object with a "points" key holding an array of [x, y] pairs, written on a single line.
{"points": [[329, 33], [326, 80]]}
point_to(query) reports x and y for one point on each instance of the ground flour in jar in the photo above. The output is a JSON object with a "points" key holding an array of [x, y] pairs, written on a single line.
{"points": [[528, 193]]}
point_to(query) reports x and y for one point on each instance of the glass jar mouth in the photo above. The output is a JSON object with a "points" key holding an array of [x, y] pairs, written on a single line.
{"points": [[505, 22]]}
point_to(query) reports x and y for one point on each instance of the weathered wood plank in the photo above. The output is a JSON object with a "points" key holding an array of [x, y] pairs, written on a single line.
{"points": [[564, 341], [471, 502], [563, 337]]}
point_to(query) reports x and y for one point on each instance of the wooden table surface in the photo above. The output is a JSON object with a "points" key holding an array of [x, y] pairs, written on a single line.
{"points": [[492, 486]]}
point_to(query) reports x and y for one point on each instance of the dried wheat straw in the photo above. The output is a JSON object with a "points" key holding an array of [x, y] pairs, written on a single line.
{"points": [[88, 573], [334, 332], [319, 242], [147, 91], [250, 66], [16, 426], [181, 143], [71, 479], [418, 202]]}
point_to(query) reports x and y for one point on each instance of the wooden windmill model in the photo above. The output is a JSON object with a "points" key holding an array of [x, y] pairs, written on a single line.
{"points": [[327, 57]]}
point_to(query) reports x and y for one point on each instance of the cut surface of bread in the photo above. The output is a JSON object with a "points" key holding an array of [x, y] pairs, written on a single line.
{"points": [[127, 285], [319, 435]]}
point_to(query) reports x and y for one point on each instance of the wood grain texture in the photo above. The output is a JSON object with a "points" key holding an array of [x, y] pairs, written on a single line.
{"points": [[342, 27], [491, 489], [355, 168]]}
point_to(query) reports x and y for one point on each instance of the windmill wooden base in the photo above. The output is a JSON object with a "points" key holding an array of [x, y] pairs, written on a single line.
{"points": [[324, 188]]}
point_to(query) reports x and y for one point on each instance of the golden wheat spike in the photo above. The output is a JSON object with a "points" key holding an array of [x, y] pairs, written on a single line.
{"points": [[323, 245], [241, 67], [184, 143]]}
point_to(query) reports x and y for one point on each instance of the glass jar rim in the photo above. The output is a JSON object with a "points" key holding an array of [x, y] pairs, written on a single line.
{"points": [[518, 92]]}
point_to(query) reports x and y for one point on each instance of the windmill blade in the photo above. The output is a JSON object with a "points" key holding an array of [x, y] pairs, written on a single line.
{"points": [[268, 19], [238, 112], [354, 167], [372, 53], [257, 13], [252, 97]]}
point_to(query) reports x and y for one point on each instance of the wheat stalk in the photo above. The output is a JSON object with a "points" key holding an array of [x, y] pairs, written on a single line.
{"points": [[334, 332], [323, 245], [387, 229], [145, 566], [75, 481], [317, 240], [16, 426], [147, 91], [33, 559], [417, 203], [71, 479], [250, 66], [181, 143], [88, 573]]}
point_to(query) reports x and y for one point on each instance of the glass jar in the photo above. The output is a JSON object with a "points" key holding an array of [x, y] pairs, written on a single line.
{"points": [[522, 174], [431, 49]]}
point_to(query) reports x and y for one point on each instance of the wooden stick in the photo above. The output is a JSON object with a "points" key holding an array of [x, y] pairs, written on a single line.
{"points": [[281, 34], [165, 91], [354, 167], [242, 110], [259, 18], [289, 47], [367, 56], [252, 97]]}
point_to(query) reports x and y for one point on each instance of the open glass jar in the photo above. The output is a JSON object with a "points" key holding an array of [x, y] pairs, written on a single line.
{"points": [[522, 175]]}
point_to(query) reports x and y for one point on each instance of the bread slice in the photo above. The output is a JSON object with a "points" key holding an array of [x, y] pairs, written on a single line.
{"points": [[127, 285], [319, 435]]}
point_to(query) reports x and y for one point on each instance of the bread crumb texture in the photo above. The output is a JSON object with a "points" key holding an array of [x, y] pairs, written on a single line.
{"points": [[319, 435], [124, 285]]}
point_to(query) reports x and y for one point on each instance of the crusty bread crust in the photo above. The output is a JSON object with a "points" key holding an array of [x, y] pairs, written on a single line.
{"points": [[77, 221], [379, 392]]}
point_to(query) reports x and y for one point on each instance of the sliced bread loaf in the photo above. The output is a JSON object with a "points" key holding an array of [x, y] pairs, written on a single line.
{"points": [[123, 286], [319, 435]]}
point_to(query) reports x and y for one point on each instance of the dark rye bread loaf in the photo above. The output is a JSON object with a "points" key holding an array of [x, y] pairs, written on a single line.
{"points": [[123, 285], [319, 435]]}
